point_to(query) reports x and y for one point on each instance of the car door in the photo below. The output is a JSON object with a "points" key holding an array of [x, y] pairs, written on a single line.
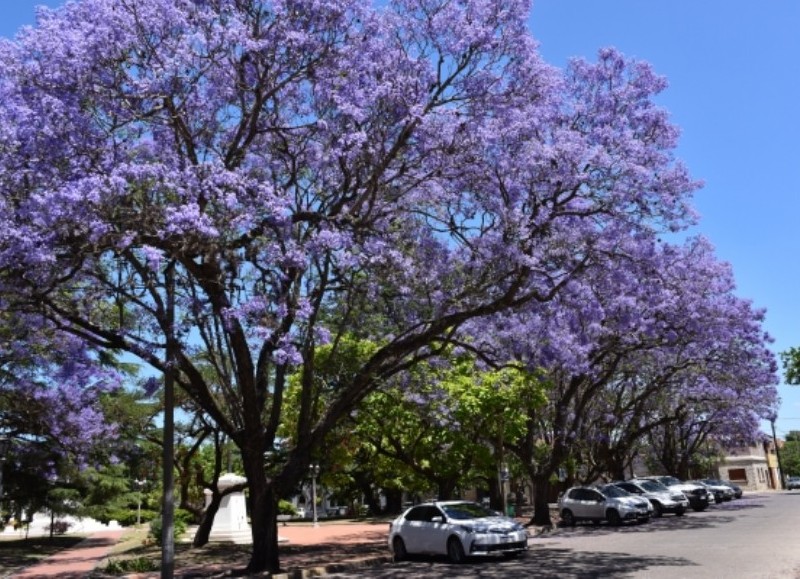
{"points": [[433, 531], [595, 504], [413, 529], [582, 503]]}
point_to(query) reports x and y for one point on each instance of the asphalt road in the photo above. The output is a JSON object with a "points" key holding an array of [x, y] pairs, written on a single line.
{"points": [[757, 536]]}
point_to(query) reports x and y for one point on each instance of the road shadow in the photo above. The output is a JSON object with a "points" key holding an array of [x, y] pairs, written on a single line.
{"points": [[540, 562], [711, 517]]}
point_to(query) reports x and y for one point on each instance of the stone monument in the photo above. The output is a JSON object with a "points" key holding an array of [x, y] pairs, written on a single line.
{"points": [[230, 523]]}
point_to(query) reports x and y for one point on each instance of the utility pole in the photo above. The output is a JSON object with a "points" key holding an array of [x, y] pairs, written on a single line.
{"points": [[168, 503], [777, 455]]}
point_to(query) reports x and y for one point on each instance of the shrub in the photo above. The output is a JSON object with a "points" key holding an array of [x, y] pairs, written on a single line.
{"points": [[286, 508], [59, 527], [179, 526], [137, 565]]}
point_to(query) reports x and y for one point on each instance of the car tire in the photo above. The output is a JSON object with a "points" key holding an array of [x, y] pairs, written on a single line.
{"points": [[658, 510], [455, 550], [613, 518], [399, 549], [567, 518]]}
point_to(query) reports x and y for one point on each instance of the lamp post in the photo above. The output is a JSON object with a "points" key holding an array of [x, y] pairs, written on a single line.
{"points": [[503, 480], [314, 470], [5, 446], [139, 484]]}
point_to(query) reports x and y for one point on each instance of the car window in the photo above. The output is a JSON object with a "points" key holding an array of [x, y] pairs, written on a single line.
{"points": [[631, 488], [613, 491], [417, 514], [652, 486], [580, 495], [461, 511]]}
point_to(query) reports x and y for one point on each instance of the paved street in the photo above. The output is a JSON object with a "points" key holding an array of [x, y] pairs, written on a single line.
{"points": [[754, 537]]}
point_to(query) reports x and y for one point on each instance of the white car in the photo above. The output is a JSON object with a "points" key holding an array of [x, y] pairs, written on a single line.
{"points": [[457, 529], [662, 499], [604, 503]]}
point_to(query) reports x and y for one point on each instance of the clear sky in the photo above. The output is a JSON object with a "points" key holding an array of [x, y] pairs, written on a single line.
{"points": [[734, 91]]}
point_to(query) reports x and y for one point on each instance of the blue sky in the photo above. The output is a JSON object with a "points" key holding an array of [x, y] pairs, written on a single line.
{"points": [[734, 91]]}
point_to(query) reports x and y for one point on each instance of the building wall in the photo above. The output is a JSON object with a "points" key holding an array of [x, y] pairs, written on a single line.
{"points": [[749, 467]]}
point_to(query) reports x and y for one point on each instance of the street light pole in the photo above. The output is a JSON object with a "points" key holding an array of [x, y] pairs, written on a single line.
{"points": [[139, 484], [314, 469]]}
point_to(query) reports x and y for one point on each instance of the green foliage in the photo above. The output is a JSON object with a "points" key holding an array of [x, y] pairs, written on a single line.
{"points": [[137, 565], [790, 456], [180, 524], [791, 365], [286, 508]]}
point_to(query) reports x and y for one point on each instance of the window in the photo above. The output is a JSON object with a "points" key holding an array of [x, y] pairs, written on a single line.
{"points": [[737, 475]]}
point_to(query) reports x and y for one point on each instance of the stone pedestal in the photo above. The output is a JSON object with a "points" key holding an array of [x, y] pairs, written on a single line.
{"points": [[230, 523]]}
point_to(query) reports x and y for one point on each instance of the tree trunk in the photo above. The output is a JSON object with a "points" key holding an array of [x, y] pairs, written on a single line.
{"points": [[495, 494], [541, 502], [264, 519], [394, 501], [207, 521]]}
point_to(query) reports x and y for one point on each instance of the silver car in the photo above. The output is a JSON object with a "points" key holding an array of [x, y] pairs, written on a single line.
{"points": [[604, 503], [457, 529], [663, 499]]}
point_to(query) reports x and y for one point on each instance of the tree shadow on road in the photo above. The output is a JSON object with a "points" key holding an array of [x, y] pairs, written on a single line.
{"points": [[541, 562]]}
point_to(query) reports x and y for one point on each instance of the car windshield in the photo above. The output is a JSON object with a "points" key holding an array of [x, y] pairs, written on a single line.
{"points": [[652, 486], [463, 511], [669, 480], [613, 491]]}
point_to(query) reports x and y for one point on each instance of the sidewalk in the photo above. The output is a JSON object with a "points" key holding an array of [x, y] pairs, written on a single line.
{"points": [[305, 551], [76, 562]]}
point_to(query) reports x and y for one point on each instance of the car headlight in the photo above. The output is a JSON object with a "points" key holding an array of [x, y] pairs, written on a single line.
{"points": [[477, 529]]}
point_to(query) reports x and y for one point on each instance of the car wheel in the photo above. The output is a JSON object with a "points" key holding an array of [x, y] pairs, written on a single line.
{"points": [[613, 518], [455, 550], [658, 510], [567, 518], [399, 549]]}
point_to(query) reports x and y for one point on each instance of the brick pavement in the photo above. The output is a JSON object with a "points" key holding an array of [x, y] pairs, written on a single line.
{"points": [[306, 551], [76, 562]]}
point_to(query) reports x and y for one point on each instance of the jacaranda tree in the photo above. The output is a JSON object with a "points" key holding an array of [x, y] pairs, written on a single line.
{"points": [[270, 160]]}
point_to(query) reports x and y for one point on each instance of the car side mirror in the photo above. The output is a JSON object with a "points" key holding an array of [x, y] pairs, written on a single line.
{"points": [[437, 519]]}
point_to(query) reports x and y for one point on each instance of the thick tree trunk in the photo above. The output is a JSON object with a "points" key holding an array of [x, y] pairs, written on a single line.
{"points": [[541, 502], [447, 489], [495, 494], [264, 520], [394, 501]]}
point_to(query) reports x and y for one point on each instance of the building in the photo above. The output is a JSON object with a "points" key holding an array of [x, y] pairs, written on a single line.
{"points": [[754, 467]]}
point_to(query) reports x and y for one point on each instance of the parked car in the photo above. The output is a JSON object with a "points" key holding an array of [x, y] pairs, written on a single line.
{"points": [[721, 492], [698, 495], [792, 483], [602, 503], [737, 490], [663, 499], [457, 529]]}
